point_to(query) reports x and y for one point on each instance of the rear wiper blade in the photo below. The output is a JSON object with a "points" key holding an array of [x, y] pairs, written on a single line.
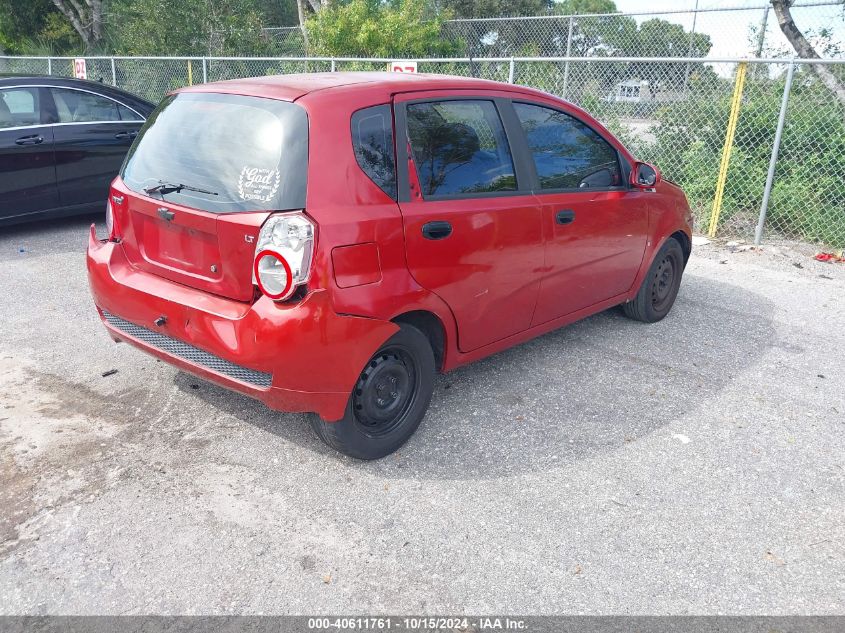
{"points": [[168, 187]]}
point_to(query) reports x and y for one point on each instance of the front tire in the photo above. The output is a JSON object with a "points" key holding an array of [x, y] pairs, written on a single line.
{"points": [[389, 399], [659, 289]]}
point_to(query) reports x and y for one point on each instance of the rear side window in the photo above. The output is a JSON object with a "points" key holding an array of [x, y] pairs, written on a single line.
{"points": [[460, 147], [76, 106], [128, 115], [372, 139], [246, 153], [567, 153], [19, 107]]}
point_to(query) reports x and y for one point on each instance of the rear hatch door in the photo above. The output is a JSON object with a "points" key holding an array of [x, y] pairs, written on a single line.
{"points": [[222, 163], [208, 251]]}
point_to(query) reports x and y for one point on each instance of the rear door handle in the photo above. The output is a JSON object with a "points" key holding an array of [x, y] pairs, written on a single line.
{"points": [[436, 230], [125, 135], [30, 140], [566, 216]]}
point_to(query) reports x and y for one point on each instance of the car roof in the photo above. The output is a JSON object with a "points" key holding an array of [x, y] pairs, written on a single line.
{"points": [[7, 79], [292, 87]]}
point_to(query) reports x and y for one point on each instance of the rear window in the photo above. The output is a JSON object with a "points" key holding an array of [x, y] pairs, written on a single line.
{"points": [[251, 154]]}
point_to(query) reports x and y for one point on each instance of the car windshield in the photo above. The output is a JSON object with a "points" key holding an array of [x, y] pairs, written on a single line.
{"points": [[229, 153]]}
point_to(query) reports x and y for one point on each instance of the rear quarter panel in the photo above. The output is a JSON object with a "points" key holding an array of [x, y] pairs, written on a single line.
{"points": [[350, 209]]}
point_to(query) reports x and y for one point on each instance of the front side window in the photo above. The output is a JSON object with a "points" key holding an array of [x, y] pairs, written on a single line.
{"points": [[19, 107], [76, 106], [460, 147], [233, 153], [372, 139], [567, 153]]}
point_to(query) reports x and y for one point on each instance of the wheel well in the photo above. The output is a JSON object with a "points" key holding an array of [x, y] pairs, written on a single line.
{"points": [[431, 326], [685, 243]]}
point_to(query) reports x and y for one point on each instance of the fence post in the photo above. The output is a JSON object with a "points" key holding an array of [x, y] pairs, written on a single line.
{"points": [[333, 66], [204, 70], [736, 100], [49, 65], [113, 73], [510, 71], [190, 73], [566, 64], [770, 177]]}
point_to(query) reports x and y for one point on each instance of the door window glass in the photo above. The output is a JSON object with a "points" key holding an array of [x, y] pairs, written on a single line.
{"points": [[567, 153], [372, 138], [75, 106], [19, 107], [459, 147]]}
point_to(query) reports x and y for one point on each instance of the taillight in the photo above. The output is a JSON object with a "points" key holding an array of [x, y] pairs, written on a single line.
{"points": [[110, 223], [283, 254]]}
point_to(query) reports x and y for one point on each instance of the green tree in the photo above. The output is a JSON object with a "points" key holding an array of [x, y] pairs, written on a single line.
{"points": [[35, 26], [278, 12], [369, 28], [659, 38], [187, 27], [582, 7], [494, 8]]}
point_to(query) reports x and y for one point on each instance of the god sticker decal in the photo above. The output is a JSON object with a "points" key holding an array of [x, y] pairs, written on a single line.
{"points": [[258, 184]]}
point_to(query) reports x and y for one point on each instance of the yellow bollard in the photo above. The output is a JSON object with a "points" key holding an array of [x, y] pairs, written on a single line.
{"points": [[190, 73], [736, 100]]}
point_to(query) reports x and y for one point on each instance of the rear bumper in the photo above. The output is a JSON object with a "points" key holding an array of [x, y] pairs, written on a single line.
{"points": [[293, 357]]}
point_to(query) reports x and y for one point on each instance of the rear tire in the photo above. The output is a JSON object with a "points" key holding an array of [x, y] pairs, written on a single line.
{"points": [[388, 401], [659, 289]]}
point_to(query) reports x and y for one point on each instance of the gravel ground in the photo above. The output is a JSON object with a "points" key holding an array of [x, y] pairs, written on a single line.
{"points": [[692, 466]]}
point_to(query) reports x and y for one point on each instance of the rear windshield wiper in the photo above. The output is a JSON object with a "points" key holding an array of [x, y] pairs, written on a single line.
{"points": [[168, 187]]}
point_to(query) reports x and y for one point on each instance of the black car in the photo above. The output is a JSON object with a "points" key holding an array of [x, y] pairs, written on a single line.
{"points": [[62, 141]]}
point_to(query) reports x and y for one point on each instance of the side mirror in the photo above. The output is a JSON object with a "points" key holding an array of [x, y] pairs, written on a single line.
{"points": [[644, 176]]}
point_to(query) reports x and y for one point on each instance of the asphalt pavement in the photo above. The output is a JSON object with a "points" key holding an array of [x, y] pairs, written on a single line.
{"points": [[694, 466]]}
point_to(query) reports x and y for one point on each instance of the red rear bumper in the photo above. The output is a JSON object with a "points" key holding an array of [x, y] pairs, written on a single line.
{"points": [[293, 357]]}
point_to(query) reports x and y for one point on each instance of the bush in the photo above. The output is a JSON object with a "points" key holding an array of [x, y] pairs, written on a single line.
{"points": [[808, 197]]}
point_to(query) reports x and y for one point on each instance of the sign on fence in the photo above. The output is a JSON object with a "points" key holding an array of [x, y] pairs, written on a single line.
{"points": [[80, 70], [402, 66]]}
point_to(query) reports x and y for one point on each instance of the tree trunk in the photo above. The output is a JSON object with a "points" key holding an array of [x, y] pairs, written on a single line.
{"points": [[804, 49], [86, 18], [300, 10], [96, 19]]}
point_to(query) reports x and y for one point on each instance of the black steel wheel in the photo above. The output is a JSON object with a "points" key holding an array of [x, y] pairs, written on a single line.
{"points": [[663, 287], [660, 286], [385, 391], [389, 399]]}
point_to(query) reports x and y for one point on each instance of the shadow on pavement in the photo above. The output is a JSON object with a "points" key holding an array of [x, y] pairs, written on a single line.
{"points": [[586, 389]]}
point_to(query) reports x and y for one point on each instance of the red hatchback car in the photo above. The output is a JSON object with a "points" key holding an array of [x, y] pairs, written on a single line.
{"points": [[326, 242]]}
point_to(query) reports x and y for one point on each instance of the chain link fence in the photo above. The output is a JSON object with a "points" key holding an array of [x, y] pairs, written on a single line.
{"points": [[672, 112]]}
